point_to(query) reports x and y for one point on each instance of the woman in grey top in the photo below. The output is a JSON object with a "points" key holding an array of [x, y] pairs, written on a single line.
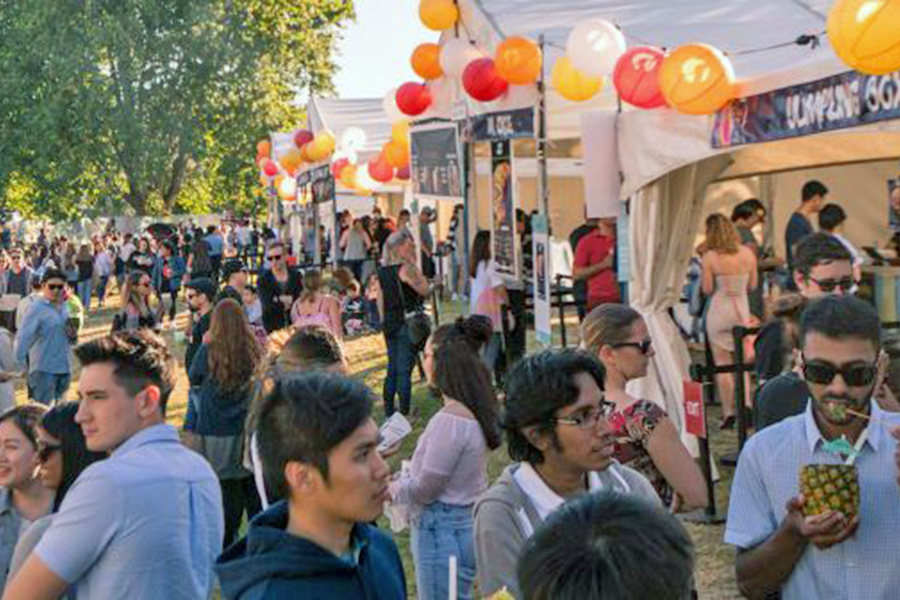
{"points": [[63, 455], [556, 425], [23, 499]]}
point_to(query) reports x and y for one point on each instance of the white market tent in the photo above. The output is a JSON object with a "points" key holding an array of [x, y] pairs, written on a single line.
{"points": [[666, 159]]}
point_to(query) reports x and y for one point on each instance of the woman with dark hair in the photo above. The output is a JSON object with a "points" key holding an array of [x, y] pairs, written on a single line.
{"points": [[63, 455], [279, 287], [221, 378], [23, 499], [488, 295], [449, 465], [646, 438], [142, 259], [85, 263], [136, 312], [199, 264]]}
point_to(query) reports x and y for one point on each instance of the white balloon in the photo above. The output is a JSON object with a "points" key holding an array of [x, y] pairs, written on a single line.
{"points": [[456, 54], [594, 47], [288, 187], [351, 156], [364, 181], [391, 109], [354, 138]]}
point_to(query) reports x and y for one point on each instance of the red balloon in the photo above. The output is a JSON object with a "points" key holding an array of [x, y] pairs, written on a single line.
{"points": [[413, 98], [338, 166], [270, 169], [482, 81], [380, 170], [304, 136], [636, 77], [403, 173]]}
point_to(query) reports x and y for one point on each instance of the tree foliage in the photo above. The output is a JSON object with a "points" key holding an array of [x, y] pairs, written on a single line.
{"points": [[153, 104]]}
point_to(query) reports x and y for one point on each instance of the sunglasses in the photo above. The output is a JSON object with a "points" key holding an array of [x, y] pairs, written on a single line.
{"points": [[847, 284], [276, 257], [854, 375], [55, 286], [44, 451], [642, 347]]}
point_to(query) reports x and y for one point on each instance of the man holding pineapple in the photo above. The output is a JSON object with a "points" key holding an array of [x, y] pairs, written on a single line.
{"points": [[815, 503]]}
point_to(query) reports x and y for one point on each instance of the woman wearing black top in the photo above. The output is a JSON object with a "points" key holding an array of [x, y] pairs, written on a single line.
{"points": [[199, 263], [279, 287], [142, 259], [85, 263], [402, 289]]}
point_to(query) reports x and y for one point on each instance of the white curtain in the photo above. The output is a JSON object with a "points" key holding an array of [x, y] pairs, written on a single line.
{"points": [[665, 216]]}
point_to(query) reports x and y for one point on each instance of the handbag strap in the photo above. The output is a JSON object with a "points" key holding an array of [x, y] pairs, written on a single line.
{"points": [[400, 289]]}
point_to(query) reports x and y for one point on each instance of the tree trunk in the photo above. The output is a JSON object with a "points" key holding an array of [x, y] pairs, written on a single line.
{"points": [[179, 171]]}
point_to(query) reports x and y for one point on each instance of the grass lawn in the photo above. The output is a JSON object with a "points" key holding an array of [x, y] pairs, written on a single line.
{"points": [[368, 360]]}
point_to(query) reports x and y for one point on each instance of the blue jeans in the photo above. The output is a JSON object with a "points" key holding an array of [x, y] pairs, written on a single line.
{"points": [[85, 291], [102, 282], [48, 388], [442, 531], [401, 359]]}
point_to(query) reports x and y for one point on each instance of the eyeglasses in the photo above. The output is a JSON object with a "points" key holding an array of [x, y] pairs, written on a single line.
{"points": [[854, 375], [44, 451], [847, 284], [643, 347], [55, 286], [589, 418]]}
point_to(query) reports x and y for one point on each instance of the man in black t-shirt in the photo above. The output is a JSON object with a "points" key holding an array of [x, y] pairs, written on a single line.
{"points": [[799, 226], [201, 299]]}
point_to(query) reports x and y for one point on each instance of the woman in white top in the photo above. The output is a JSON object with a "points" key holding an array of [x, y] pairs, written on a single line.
{"points": [[488, 294], [449, 466]]}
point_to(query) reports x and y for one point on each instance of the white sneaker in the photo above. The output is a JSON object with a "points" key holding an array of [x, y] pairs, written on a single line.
{"points": [[455, 297]]}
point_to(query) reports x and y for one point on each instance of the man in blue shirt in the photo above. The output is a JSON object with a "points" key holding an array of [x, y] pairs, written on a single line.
{"points": [[829, 555], [799, 226], [44, 339], [147, 522], [318, 445]]}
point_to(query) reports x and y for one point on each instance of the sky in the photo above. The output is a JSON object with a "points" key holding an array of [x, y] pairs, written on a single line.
{"points": [[374, 55]]}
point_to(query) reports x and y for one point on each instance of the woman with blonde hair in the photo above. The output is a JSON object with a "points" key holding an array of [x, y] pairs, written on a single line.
{"points": [[315, 306], [646, 438], [729, 273], [221, 378]]}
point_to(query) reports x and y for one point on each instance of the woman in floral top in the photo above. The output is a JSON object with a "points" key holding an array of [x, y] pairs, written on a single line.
{"points": [[646, 439]]}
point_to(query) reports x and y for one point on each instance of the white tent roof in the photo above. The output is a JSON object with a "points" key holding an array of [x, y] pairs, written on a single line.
{"points": [[339, 115]]}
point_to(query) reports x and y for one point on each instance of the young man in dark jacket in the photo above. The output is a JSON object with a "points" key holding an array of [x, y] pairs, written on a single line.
{"points": [[318, 444]]}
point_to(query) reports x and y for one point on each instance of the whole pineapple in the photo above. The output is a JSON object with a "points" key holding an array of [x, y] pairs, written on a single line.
{"points": [[830, 487]]}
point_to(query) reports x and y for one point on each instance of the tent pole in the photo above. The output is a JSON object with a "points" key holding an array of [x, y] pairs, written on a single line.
{"points": [[541, 146]]}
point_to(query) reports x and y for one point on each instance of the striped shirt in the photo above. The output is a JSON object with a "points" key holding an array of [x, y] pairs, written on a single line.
{"points": [[767, 476]]}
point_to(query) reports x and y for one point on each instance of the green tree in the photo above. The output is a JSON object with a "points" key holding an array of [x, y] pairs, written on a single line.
{"points": [[156, 104]]}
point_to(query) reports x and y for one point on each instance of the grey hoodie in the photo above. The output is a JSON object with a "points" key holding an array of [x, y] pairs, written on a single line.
{"points": [[505, 518]]}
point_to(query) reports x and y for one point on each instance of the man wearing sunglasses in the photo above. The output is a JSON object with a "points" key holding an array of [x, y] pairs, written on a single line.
{"points": [[43, 342], [557, 431], [823, 266], [831, 555]]}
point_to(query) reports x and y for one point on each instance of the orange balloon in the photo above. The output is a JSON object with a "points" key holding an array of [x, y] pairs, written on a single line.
{"points": [[304, 153], [263, 180], [426, 61], [348, 176], [518, 61], [697, 79], [397, 155], [291, 160], [263, 148], [277, 181]]}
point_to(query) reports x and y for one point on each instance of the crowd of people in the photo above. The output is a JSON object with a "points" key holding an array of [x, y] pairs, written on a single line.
{"points": [[101, 498]]}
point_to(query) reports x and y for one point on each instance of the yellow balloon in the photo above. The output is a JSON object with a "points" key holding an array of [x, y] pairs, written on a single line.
{"points": [[438, 15], [326, 142], [263, 180], [865, 34], [571, 83], [697, 79], [400, 132], [348, 176]]}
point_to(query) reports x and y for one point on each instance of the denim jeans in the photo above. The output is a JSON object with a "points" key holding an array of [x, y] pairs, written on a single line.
{"points": [[102, 282], [85, 292], [48, 388], [442, 531], [401, 359]]}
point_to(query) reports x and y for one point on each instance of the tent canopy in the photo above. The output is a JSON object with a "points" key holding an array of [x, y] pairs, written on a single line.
{"points": [[339, 115]]}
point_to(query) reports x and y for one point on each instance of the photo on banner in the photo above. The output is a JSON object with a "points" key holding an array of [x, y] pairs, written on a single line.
{"points": [[503, 210], [540, 239], [436, 162]]}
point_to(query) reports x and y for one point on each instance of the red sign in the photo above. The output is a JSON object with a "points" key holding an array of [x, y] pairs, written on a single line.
{"points": [[694, 415]]}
